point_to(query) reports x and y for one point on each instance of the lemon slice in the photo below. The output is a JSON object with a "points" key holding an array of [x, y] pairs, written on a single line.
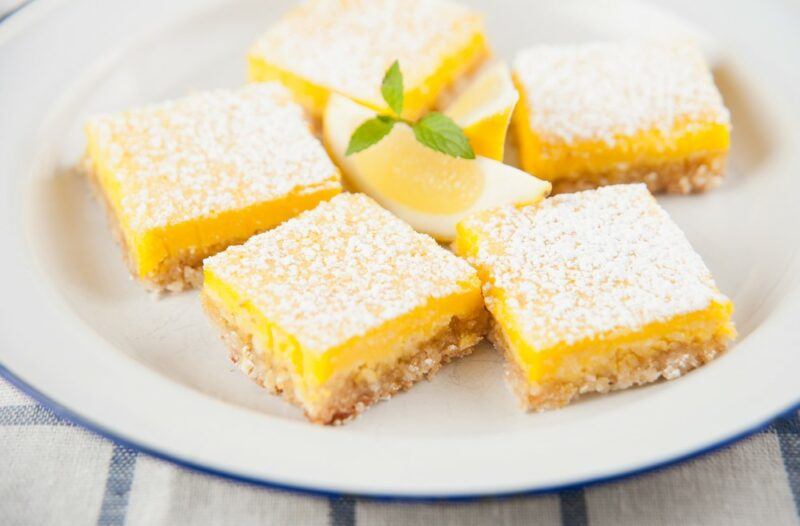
{"points": [[483, 110], [429, 190]]}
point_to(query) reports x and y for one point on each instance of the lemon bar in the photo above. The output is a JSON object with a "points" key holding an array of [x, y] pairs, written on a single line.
{"points": [[608, 113], [343, 306], [346, 46], [186, 178], [594, 291]]}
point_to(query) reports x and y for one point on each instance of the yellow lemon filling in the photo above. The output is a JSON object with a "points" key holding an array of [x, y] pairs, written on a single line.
{"points": [[418, 99], [187, 177], [568, 362], [342, 306], [557, 159], [312, 368], [598, 112], [594, 290], [711, 323], [152, 251]]}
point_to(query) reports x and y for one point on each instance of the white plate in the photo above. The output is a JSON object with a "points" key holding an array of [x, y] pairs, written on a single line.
{"points": [[77, 333]]}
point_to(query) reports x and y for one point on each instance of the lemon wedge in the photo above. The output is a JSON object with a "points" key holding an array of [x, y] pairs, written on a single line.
{"points": [[483, 110], [429, 190]]}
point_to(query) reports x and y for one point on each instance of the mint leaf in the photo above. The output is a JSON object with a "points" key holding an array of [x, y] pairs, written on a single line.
{"points": [[439, 132], [435, 130], [392, 88], [370, 132]]}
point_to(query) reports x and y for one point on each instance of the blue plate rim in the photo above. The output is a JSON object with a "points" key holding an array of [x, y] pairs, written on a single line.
{"points": [[75, 418]]}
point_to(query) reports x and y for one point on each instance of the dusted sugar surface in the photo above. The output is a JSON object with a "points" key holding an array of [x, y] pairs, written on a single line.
{"points": [[601, 91], [339, 271], [347, 45], [580, 265], [209, 153]]}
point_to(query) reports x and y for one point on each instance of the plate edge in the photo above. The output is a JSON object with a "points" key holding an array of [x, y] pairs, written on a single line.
{"points": [[74, 417]]}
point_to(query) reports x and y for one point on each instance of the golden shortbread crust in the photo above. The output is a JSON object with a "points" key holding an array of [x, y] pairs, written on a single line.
{"points": [[184, 271], [180, 272], [352, 391], [695, 174], [629, 369]]}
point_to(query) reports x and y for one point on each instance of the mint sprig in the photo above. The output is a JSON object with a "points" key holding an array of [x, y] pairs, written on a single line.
{"points": [[370, 132], [438, 132], [435, 130], [392, 88]]}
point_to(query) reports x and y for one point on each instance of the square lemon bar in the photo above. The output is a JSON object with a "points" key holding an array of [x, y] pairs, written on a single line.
{"points": [[186, 178], [607, 113], [343, 306], [594, 291], [346, 46]]}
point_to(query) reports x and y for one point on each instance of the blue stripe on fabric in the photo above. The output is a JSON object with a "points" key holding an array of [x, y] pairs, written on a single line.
{"points": [[118, 486], [788, 431], [573, 507], [342, 511], [29, 415]]}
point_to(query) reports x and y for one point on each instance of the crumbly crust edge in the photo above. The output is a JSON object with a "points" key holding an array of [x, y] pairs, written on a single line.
{"points": [[695, 174], [678, 359], [184, 273], [350, 393]]}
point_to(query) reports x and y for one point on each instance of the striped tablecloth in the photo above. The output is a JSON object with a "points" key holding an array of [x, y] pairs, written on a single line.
{"points": [[53, 472]]}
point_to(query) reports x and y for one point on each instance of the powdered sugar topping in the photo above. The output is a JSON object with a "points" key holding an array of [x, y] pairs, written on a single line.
{"points": [[347, 45], [210, 152], [579, 265], [339, 270], [603, 91]]}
